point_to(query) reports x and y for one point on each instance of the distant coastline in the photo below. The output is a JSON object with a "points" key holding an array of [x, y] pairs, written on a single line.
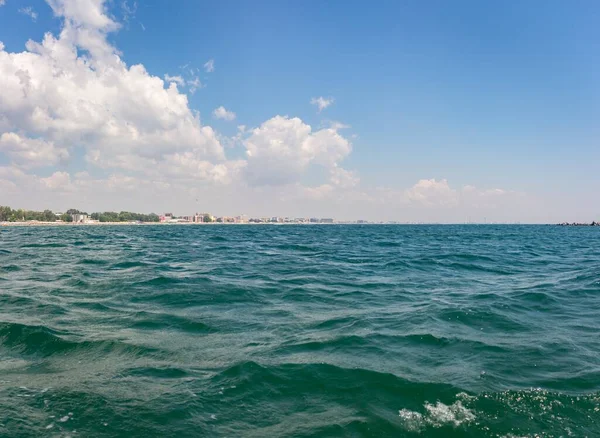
{"points": [[579, 224], [73, 217], [93, 224]]}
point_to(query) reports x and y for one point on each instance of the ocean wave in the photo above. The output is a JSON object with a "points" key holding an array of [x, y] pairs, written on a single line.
{"points": [[252, 399], [44, 341], [436, 415], [87, 261], [381, 345], [298, 248], [163, 321], [44, 245], [342, 322], [538, 298], [478, 267], [160, 280], [388, 244], [128, 265], [155, 372], [197, 292], [481, 317], [218, 239]]}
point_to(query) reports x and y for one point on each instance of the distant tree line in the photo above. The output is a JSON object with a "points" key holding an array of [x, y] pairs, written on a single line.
{"points": [[124, 216], [7, 214]]}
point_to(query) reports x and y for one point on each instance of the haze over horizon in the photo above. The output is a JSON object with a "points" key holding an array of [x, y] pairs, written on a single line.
{"points": [[406, 111]]}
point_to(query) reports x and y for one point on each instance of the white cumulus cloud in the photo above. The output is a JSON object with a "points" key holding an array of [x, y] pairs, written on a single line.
{"points": [[322, 102], [177, 79], [432, 192], [282, 148], [128, 10], [439, 193], [30, 12], [75, 90], [222, 113], [57, 181], [31, 152], [209, 66], [343, 178], [194, 84]]}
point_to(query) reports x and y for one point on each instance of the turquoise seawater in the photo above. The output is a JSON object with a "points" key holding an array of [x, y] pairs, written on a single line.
{"points": [[297, 331]]}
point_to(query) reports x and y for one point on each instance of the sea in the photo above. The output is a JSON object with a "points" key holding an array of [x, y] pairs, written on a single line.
{"points": [[300, 331]]}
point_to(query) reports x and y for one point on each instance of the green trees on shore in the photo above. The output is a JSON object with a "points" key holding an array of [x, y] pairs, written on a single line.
{"points": [[7, 214], [124, 216]]}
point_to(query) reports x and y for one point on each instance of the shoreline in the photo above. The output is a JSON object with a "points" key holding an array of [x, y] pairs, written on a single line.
{"points": [[104, 224], [70, 224]]}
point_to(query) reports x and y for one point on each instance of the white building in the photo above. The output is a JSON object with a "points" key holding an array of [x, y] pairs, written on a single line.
{"points": [[80, 218]]}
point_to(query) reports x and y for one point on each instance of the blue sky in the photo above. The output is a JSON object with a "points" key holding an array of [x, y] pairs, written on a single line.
{"points": [[439, 96]]}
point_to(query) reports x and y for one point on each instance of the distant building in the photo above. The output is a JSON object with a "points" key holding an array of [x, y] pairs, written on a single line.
{"points": [[80, 218], [327, 221], [167, 217], [205, 217]]}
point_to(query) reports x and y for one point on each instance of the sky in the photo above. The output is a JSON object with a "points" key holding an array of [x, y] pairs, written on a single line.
{"points": [[412, 111]]}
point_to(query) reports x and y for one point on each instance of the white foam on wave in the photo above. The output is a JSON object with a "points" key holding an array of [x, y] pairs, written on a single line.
{"points": [[411, 420], [465, 397], [454, 414], [436, 415]]}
